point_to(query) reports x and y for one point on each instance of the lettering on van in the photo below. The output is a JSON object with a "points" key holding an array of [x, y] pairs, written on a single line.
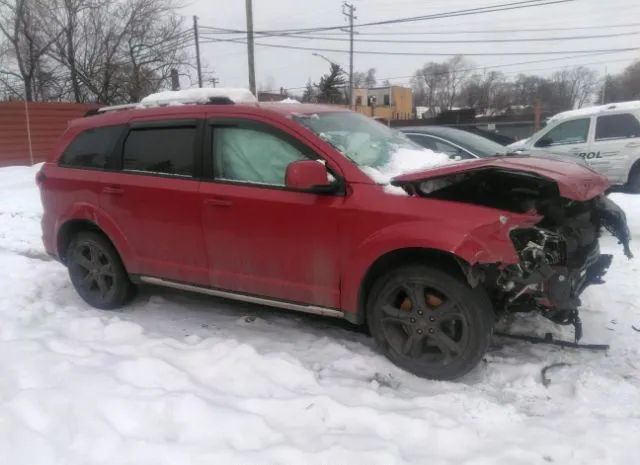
{"points": [[589, 155]]}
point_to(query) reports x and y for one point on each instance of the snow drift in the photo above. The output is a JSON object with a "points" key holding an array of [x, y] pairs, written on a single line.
{"points": [[180, 379]]}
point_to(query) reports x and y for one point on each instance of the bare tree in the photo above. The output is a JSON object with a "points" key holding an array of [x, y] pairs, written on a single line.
{"points": [[623, 86], [573, 88], [457, 72], [365, 79], [438, 85], [23, 23], [485, 92], [427, 84], [118, 51], [154, 45]]}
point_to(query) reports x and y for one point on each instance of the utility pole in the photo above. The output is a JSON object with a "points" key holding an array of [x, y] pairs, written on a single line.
{"points": [[348, 9], [214, 81], [252, 71], [195, 31]]}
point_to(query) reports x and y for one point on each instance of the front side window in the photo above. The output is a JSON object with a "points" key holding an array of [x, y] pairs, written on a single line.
{"points": [[91, 148], [252, 155], [426, 141], [160, 150], [621, 126], [451, 150], [440, 146], [569, 132]]}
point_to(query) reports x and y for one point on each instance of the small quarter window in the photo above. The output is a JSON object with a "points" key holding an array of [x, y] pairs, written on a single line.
{"points": [[621, 126], [160, 150], [91, 148]]}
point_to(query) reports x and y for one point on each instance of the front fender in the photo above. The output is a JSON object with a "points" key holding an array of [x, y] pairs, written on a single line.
{"points": [[89, 212], [486, 242]]}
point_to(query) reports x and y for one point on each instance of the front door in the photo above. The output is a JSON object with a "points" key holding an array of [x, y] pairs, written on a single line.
{"points": [[154, 200], [262, 238], [569, 138]]}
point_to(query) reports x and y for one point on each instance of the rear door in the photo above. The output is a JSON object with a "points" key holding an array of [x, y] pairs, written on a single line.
{"points": [[262, 238], [569, 138], [153, 198], [615, 145]]}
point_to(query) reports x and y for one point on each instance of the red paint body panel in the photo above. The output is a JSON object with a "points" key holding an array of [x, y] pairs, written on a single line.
{"points": [[274, 242], [574, 181]]}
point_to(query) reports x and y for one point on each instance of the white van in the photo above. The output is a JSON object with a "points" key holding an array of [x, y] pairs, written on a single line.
{"points": [[606, 137]]}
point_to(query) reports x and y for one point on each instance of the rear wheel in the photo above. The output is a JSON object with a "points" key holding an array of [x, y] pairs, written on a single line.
{"points": [[633, 184], [429, 322], [96, 271]]}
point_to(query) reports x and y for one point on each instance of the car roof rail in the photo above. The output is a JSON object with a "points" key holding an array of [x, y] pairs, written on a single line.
{"points": [[126, 106], [206, 96]]}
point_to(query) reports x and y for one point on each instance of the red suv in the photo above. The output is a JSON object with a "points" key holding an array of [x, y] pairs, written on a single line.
{"points": [[281, 205]]}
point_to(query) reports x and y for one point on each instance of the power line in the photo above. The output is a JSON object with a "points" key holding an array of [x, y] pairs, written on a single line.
{"points": [[474, 31], [465, 12], [505, 65], [374, 52], [459, 41], [221, 31]]}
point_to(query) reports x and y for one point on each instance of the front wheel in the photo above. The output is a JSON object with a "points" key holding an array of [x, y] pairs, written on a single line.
{"points": [[96, 271], [429, 322]]}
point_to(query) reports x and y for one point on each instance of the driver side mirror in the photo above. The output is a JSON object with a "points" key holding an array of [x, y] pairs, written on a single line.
{"points": [[310, 176]]}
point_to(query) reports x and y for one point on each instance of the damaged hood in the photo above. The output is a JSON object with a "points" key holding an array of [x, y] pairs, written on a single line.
{"points": [[574, 181]]}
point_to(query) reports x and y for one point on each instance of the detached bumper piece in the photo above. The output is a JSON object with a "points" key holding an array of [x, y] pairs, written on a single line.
{"points": [[548, 339]]}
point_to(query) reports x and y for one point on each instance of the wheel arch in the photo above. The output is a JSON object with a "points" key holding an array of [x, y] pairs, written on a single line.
{"points": [[69, 230], [405, 256], [635, 166], [92, 220]]}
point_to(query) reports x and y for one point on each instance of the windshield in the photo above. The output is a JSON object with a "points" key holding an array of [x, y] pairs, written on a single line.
{"points": [[379, 151], [480, 146]]}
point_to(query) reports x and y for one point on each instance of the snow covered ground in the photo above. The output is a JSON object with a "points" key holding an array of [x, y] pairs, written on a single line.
{"points": [[182, 379]]}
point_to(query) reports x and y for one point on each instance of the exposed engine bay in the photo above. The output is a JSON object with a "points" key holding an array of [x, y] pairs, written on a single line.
{"points": [[559, 256]]}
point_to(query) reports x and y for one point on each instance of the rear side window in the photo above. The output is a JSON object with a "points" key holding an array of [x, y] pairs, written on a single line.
{"points": [[620, 126], [160, 150], [91, 148]]}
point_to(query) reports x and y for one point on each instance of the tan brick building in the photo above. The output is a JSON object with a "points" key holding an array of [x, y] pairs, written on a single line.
{"points": [[388, 102]]}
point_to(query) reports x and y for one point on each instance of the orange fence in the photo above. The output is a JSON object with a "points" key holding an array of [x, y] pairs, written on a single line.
{"points": [[28, 132]]}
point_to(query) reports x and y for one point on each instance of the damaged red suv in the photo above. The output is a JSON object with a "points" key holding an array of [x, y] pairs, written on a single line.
{"points": [[288, 205]]}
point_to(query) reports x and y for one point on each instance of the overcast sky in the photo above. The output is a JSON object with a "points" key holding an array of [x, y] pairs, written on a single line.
{"points": [[292, 68]]}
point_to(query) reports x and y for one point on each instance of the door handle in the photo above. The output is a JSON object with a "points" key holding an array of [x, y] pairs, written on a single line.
{"points": [[113, 190], [218, 202]]}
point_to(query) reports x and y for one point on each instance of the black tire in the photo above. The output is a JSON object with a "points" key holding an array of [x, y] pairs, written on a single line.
{"points": [[96, 271], [633, 183], [441, 335]]}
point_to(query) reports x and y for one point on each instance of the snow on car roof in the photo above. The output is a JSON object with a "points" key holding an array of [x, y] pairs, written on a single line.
{"points": [[631, 105], [198, 95]]}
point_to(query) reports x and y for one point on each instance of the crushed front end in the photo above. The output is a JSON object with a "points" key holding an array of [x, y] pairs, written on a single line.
{"points": [[558, 253], [559, 258]]}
